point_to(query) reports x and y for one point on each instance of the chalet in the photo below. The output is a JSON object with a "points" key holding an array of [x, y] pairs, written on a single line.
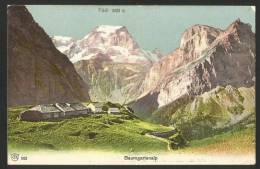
{"points": [[54, 111], [113, 110], [96, 107], [81, 108]]}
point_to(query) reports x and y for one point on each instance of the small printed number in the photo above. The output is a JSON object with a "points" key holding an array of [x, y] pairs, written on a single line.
{"points": [[115, 10], [24, 158]]}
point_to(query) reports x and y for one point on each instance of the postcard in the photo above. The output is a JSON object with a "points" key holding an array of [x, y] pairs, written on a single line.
{"points": [[131, 85]]}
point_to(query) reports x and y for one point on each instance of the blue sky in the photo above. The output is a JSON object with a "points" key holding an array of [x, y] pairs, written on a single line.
{"points": [[151, 26]]}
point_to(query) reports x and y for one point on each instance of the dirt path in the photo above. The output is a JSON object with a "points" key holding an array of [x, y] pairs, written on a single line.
{"points": [[162, 139]]}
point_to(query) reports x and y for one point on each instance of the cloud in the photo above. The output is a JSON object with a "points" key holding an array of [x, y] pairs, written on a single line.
{"points": [[253, 8]]}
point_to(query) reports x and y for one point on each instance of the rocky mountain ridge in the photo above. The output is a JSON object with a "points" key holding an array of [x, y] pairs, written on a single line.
{"points": [[207, 57], [113, 42], [110, 61], [116, 69], [37, 71]]}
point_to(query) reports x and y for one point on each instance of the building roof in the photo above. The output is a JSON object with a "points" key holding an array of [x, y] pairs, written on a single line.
{"points": [[59, 107], [64, 107], [78, 106], [46, 108], [97, 104], [113, 109]]}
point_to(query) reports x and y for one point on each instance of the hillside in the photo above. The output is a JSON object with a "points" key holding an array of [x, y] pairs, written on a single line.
{"points": [[233, 142], [37, 71], [99, 132], [115, 134], [217, 110]]}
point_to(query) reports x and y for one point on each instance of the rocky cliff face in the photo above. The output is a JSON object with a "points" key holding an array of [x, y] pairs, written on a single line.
{"points": [[37, 71], [109, 81], [110, 62], [207, 57], [194, 40]]}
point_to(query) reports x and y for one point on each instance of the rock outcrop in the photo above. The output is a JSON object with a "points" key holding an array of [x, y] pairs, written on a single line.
{"points": [[37, 71], [194, 40], [207, 57]]}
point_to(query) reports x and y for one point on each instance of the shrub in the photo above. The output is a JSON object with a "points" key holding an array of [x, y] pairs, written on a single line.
{"points": [[92, 135], [238, 109], [177, 141]]}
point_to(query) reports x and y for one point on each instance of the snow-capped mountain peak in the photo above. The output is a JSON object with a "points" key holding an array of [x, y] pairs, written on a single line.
{"points": [[103, 31], [108, 29], [62, 39], [113, 42], [63, 43]]}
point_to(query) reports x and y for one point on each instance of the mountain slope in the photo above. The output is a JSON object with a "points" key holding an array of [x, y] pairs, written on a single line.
{"points": [[216, 110], [37, 71], [228, 58]]}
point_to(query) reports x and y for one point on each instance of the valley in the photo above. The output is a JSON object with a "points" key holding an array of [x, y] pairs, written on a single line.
{"points": [[199, 98]]}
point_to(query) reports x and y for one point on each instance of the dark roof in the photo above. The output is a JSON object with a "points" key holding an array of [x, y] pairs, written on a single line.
{"points": [[59, 107], [78, 106], [65, 106], [46, 108]]}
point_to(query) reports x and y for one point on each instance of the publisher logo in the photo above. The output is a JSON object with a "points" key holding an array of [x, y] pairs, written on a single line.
{"points": [[15, 157]]}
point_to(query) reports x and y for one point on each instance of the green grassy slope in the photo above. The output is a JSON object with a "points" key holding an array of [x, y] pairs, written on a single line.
{"points": [[98, 132], [232, 142], [218, 109]]}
